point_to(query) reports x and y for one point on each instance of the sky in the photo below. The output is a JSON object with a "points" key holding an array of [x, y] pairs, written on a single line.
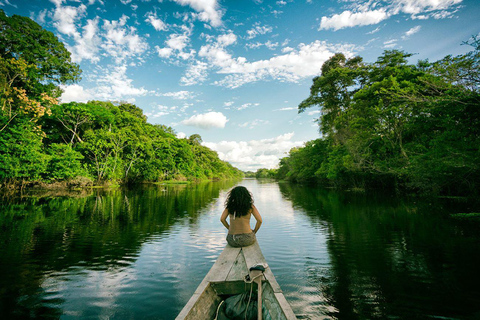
{"points": [[234, 72]]}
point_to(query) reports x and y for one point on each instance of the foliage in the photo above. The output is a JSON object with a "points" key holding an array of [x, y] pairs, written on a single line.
{"points": [[265, 173], [394, 124], [42, 140]]}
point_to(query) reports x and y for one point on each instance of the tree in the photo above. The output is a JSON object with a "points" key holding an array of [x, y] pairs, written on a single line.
{"points": [[22, 38]]}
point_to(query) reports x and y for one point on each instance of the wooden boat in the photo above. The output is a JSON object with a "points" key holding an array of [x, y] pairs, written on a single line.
{"points": [[226, 278]]}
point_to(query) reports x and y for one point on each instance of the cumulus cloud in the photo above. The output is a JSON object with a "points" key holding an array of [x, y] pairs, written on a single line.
{"points": [[255, 154], [226, 39], [363, 13], [113, 85], [114, 38], [75, 92], [121, 41], [176, 43], [350, 19], [87, 44], [207, 120], [65, 17], [305, 61], [208, 10], [158, 24]]}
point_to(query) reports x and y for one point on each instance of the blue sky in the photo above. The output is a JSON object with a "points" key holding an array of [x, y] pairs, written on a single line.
{"points": [[235, 71]]}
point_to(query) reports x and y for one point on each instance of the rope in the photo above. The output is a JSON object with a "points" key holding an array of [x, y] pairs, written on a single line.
{"points": [[251, 290], [218, 309]]}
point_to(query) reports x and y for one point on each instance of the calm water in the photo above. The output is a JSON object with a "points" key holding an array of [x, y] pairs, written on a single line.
{"points": [[140, 254]]}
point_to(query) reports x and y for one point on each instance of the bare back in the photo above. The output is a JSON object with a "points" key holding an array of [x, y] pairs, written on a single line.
{"points": [[240, 224]]}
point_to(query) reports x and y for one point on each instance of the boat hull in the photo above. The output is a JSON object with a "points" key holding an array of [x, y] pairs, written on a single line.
{"points": [[226, 278]]}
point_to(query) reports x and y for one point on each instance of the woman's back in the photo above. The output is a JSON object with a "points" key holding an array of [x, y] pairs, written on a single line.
{"points": [[239, 208], [239, 224]]}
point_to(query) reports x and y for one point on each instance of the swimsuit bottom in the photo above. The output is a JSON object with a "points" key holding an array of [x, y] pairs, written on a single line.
{"points": [[241, 240]]}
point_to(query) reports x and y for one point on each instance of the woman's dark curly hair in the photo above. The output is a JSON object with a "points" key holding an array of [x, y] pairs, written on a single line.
{"points": [[239, 201]]}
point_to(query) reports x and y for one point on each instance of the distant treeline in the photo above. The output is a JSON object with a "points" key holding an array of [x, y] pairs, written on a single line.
{"points": [[391, 124], [78, 143]]}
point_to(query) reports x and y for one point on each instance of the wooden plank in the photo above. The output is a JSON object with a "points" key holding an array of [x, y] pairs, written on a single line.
{"points": [[200, 306], [253, 255], [220, 268], [271, 303], [218, 272], [239, 269], [287, 310], [231, 287]]}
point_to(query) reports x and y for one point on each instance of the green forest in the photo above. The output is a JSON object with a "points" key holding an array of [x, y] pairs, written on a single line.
{"points": [[395, 125], [76, 144]]}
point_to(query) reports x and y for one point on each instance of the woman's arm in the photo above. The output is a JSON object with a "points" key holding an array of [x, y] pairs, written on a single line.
{"points": [[223, 218], [258, 217]]}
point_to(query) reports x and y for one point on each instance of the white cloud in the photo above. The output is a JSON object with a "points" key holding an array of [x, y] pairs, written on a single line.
{"points": [[122, 42], [254, 154], [247, 105], [269, 44], [411, 32], [254, 123], [65, 17], [258, 30], [158, 24], [87, 44], [276, 13], [114, 84], [374, 31], [389, 44], [40, 17], [196, 73], [281, 3], [287, 109], [350, 19], [181, 135], [176, 43], [207, 120], [75, 92], [415, 7], [226, 39], [209, 10], [306, 61], [178, 95], [363, 13]]}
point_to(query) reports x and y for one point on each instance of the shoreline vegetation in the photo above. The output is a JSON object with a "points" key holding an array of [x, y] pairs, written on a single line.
{"points": [[385, 125], [45, 144], [393, 125]]}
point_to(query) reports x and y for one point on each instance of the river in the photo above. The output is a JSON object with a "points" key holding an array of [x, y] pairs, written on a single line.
{"points": [[139, 253]]}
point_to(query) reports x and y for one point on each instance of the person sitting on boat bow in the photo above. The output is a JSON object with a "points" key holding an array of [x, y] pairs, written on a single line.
{"points": [[239, 207]]}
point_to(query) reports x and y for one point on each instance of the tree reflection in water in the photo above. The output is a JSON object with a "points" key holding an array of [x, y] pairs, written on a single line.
{"points": [[91, 240], [392, 257]]}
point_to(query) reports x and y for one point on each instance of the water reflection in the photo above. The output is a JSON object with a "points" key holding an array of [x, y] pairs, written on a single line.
{"points": [[93, 256], [140, 253], [390, 257]]}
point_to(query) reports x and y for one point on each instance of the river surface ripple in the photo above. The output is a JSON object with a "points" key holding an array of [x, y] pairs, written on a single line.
{"points": [[141, 253]]}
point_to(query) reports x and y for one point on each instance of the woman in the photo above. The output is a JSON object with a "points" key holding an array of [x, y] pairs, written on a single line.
{"points": [[239, 207]]}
